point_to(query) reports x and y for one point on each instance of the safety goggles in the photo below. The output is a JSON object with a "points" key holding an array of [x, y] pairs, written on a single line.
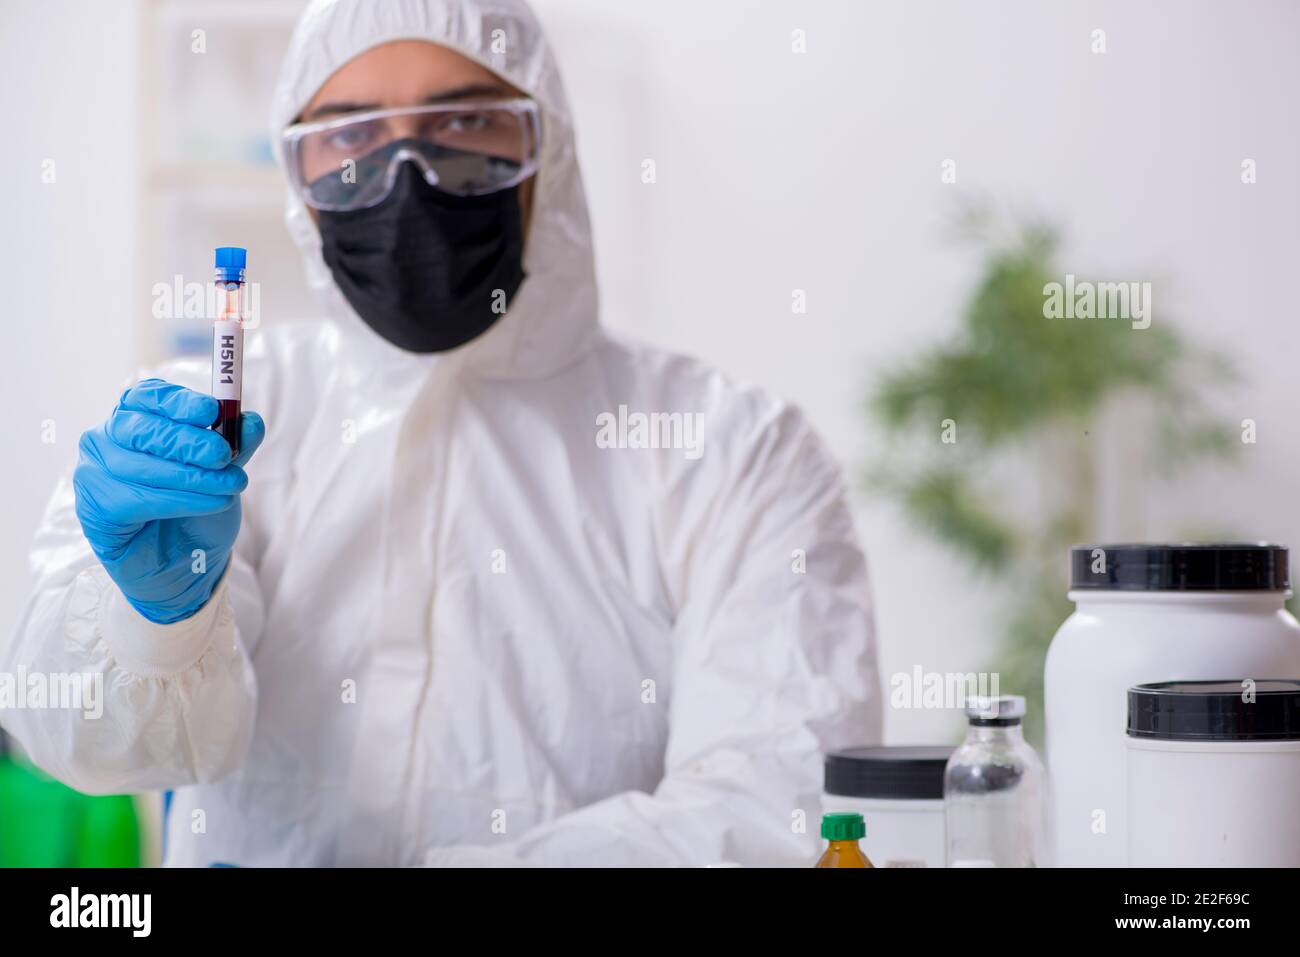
{"points": [[466, 149]]}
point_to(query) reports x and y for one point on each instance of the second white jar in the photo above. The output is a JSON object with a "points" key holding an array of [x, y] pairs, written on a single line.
{"points": [[1213, 774]]}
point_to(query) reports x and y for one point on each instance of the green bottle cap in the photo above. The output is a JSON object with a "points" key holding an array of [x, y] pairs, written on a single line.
{"points": [[843, 827]]}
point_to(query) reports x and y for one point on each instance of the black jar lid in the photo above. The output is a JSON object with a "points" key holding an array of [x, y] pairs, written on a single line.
{"points": [[913, 772], [1264, 710], [1222, 567]]}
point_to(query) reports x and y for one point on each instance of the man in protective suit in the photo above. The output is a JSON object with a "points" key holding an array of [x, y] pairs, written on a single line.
{"points": [[442, 618]]}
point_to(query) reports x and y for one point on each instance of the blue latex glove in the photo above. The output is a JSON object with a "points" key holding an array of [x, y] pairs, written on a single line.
{"points": [[154, 485]]}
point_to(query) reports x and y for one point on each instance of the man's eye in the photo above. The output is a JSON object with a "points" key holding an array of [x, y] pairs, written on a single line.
{"points": [[348, 138], [469, 122]]}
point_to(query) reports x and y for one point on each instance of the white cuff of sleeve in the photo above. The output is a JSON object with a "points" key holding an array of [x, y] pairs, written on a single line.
{"points": [[150, 649]]}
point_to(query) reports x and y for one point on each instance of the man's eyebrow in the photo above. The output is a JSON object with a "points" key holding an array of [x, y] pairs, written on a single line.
{"points": [[466, 92], [329, 109]]}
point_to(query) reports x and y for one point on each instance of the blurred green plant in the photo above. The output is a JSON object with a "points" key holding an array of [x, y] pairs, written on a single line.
{"points": [[1016, 390]]}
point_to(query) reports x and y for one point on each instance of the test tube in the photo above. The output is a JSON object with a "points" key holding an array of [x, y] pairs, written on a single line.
{"points": [[228, 342]]}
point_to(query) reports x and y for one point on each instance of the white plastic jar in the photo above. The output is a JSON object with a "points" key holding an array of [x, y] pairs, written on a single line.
{"points": [[1213, 774], [899, 793], [1147, 613]]}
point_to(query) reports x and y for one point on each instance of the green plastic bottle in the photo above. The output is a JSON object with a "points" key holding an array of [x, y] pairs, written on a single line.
{"points": [[45, 824]]}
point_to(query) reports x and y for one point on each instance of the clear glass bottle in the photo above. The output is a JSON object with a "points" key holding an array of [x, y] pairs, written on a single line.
{"points": [[993, 790]]}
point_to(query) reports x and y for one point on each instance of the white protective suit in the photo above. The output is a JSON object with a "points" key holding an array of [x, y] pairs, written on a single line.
{"points": [[455, 629]]}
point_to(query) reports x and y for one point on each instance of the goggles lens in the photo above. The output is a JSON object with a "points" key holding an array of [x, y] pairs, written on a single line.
{"points": [[464, 149]]}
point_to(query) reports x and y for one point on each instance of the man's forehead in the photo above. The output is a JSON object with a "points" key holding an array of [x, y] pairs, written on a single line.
{"points": [[404, 73]]}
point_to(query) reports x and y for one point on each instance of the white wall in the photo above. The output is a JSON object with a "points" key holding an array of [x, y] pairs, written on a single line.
{"points": [[67, 94], [779, 171]]}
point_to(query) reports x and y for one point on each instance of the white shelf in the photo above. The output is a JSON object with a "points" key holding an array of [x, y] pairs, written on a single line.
{"points": [[251, 13], [206, 178]]}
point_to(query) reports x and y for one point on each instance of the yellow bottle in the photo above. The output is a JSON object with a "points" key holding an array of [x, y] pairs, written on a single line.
{"points": [[843, 831]]}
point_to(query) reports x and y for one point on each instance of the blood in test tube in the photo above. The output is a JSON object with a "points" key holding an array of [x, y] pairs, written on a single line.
{"points": [[228, 342]]}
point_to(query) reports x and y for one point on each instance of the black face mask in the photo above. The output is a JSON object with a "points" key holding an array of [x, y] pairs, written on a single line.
{"points": [[423, 267]]}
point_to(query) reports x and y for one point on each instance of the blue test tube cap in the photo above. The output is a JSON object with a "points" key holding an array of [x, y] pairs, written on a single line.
{"points": [[231, 261]]}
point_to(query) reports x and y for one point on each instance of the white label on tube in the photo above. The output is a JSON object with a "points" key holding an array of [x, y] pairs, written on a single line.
{"points": [[227, 359]]}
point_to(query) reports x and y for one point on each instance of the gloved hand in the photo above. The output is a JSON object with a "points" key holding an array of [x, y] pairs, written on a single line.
{"points": [[158, 496]]}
